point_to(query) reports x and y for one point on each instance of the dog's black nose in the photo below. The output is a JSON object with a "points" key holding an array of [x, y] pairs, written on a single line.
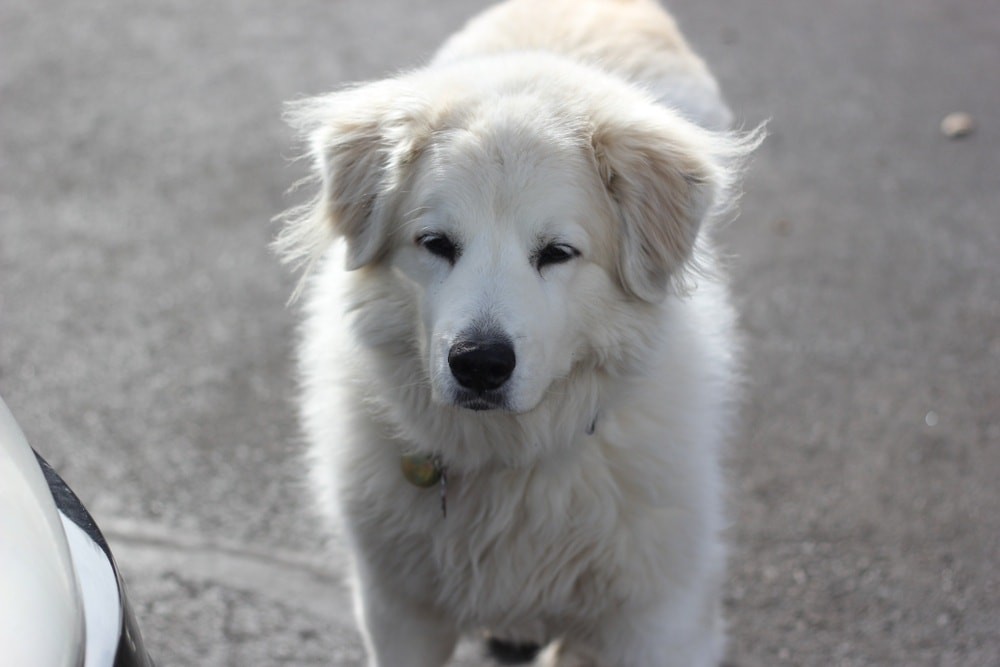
{"points": [[482, 365]]}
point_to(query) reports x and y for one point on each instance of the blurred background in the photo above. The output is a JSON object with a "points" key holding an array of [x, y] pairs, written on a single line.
{"points": [[145, 343]]}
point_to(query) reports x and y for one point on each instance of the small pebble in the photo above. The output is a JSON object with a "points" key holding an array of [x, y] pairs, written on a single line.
{"points": [[957, 125]]}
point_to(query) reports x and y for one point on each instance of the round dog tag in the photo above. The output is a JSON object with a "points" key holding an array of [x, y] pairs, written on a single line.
{"points": [[421, 470]]}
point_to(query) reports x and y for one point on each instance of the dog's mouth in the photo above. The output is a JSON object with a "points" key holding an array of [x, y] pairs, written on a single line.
{"points": [[481, 401]]}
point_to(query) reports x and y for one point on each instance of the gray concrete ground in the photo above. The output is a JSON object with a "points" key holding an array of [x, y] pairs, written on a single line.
{"points": [[145, 343]]}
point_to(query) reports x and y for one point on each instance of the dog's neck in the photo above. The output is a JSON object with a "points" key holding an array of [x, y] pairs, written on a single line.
{"points": [[427, 471]]}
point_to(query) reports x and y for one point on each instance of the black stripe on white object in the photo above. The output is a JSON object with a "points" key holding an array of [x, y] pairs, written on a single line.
{"points": [[70, 506], [113, 637]]}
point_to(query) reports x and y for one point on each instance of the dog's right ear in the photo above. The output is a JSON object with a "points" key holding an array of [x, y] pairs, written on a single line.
{"points": [[361, 142]]}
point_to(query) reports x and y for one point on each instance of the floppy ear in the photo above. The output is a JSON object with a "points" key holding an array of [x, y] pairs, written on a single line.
{"points": [[361, 142], [664, 176]]}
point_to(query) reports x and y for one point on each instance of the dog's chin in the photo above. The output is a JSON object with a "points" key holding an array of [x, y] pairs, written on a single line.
{"points": [[498, 401]]}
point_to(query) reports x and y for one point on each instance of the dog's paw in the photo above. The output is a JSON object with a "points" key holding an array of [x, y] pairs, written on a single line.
{"points": [[511, 653]]}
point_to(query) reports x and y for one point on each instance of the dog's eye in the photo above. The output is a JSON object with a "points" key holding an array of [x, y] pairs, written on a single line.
{"points": [[440, 245], [555, 253]]}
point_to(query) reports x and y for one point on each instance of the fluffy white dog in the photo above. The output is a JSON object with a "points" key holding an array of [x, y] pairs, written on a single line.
{"points": [[518, 357]]}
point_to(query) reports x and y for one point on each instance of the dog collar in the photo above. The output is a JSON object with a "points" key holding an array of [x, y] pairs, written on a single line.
{"points": [[424, 471]]}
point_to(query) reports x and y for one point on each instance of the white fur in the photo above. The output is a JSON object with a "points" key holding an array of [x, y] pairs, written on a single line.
{"points": [[606, 543]]}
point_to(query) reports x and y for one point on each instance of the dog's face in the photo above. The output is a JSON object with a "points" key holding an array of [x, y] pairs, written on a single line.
{"points": [[497, 234], [520, 221]]}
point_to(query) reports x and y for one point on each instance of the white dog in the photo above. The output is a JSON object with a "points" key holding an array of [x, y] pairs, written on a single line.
{"points": [[518, 359]]}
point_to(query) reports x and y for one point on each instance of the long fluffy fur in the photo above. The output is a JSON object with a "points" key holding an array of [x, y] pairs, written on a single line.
{"points": [[606, 542]]}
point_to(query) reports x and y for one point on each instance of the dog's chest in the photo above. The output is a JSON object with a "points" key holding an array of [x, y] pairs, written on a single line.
{"points": [[518, 547]]}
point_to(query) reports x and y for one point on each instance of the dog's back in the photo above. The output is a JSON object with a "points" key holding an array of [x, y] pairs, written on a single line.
{"points": [[633, 39]]}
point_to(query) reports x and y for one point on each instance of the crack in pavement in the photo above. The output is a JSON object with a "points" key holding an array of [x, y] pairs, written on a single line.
{"points": [[310, 583]]}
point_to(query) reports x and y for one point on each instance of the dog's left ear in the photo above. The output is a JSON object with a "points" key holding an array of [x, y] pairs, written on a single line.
{"points": [[665, 177]]}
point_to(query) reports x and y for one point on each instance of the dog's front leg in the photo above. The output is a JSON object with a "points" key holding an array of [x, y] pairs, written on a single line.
{"points": [[399, 632]]}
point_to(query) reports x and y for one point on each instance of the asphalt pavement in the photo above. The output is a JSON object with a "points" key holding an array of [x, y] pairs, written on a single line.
{"points": [[145, 341]]}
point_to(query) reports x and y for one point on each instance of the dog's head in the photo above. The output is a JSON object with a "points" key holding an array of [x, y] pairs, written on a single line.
{"points": [[526, 208]]}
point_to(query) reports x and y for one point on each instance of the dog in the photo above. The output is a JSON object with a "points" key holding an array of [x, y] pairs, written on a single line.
{"points": [[518, 358]]}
